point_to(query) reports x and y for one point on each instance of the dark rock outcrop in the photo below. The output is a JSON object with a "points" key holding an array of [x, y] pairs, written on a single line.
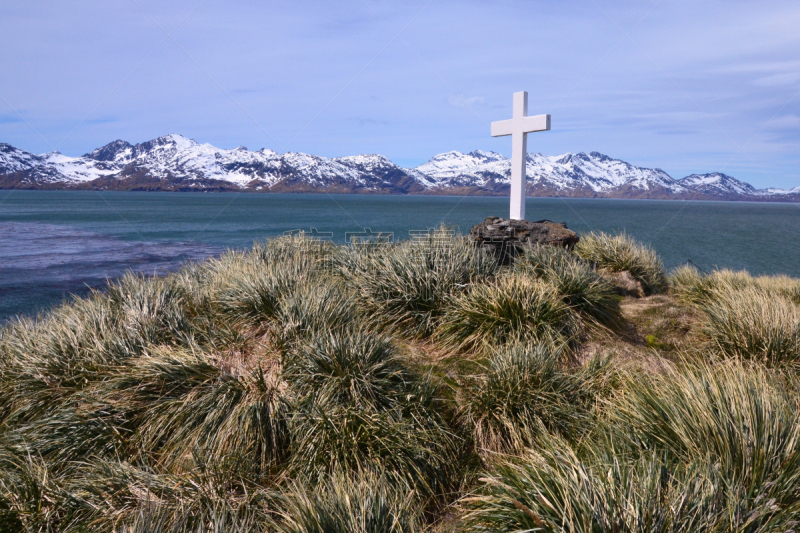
{"points": [[505, 237]]}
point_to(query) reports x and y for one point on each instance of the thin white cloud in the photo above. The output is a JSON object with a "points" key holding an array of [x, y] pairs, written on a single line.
{"points": [[786, 122], [459, 100], [778, 80]]}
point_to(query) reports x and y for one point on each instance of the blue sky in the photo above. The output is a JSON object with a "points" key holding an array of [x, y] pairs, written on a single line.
{"points": [[687, 86]]}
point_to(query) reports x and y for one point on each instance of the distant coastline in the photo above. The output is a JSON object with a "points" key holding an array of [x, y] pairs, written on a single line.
{"points": [[476, 192]]}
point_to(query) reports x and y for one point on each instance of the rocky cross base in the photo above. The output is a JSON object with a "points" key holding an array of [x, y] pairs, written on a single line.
{"points": [[504, 237]]}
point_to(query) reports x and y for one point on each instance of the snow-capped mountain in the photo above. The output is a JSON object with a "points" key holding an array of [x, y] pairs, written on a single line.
{"points": [[773, 191], [564, 175], [173, 162], [176, 163], [717, 183]]}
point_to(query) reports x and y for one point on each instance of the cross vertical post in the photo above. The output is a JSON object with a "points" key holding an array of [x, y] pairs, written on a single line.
{"points": [[518, 127], [519, 156]]}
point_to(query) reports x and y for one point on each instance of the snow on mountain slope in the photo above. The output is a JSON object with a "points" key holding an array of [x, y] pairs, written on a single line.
{"points": [[16, 160], [451, 165], [717, 183], [600, 173], [76, 168], [593, 172], [175, 162], [174, 157], [177, 156], [772, 191], [52, 167]]}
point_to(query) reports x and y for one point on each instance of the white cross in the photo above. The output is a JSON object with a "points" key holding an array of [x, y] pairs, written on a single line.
{"points": [[519, 127]]}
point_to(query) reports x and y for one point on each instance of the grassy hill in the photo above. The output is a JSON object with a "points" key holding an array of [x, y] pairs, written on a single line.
{"points": [[306, 387]]}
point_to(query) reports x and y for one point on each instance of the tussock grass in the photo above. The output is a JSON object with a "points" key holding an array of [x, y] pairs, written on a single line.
{"points": [[754, 324], [689, 285], [148, 311], [310, 253], [249, 291], [744, 316], [24, 493], [554, 490], [739, 416], [525, 391], [222, 517], [779, 285], [247, 287], [706, 448], [620, 253], [170, 408], [184, 407], [513, 308], [362, 407], [108, 496], [103, 328], [117, 496], [350, 367], [410, 443], [694, 287], [405, 287], [581, 288], [387, 419], [303, 386], [46, 361], [313, 308], [361, 503]]}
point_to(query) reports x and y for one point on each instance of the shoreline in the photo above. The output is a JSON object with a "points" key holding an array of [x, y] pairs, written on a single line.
{"points": [[795, 199]]}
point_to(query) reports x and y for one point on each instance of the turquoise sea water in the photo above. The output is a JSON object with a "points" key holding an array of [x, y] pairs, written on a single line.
{"points": [[56, 243]]}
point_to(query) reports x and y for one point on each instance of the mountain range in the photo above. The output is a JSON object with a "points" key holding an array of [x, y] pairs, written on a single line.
{"points": [[176, 163]]}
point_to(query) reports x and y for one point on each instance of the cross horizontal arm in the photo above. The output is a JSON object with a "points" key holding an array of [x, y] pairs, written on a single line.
{"points": [[536, 123], [503, 127], [521, 125]]}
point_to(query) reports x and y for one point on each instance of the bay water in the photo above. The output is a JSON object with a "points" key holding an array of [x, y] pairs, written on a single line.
{"points": [[54, 244]]}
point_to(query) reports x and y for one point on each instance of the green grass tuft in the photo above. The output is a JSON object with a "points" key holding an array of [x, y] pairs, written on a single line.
{"points": [[620, 253], [554, 489], [693, 287], [350, 368], [753, 324], [524, 391], [410, 443], [361, 503], [513, 308], [739, 416], [709, 448], [315, 307], [581, 288], [404, 288]]}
